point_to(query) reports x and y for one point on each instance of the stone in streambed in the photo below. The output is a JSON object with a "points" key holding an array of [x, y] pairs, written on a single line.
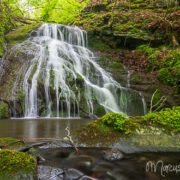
{"points": [[112, 154]]}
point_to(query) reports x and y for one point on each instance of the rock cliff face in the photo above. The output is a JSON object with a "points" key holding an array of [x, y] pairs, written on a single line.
{"points": [[12, 62], [119, 31], [53, 74]]}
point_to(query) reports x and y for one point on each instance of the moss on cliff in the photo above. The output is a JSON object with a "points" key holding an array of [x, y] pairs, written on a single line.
{"points": [[2, 45], [145, 20], [20, 34]]}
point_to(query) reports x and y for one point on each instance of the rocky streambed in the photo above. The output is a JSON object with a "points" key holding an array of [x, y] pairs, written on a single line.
{"points": [[56, 160], [147, 154]]}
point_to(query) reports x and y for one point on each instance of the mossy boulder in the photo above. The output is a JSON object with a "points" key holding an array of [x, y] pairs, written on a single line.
{"points": [[20, 34], [16, 165], [112, 127]]}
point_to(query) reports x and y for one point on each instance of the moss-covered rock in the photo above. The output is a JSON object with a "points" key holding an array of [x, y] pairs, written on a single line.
{"points": [[113, 126], [131, 22], [16, 165], [8, 142], [20, 34]]}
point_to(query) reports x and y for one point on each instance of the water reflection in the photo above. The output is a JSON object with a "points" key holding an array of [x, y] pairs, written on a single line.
{"points": [[39, 128]]}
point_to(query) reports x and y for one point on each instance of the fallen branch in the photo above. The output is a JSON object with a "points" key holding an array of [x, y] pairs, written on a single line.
{"points": [[71, 141], [26, 148]]}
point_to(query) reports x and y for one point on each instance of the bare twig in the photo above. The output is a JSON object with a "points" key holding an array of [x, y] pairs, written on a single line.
{"points": [[159, 104], [152, 98], [71, 141]]}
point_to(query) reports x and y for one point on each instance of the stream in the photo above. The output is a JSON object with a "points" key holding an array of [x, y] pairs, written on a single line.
{"points": [[103, 163], [39, 128]]}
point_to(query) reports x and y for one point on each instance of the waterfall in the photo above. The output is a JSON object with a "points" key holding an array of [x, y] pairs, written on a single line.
{"points": [[63, 77]]}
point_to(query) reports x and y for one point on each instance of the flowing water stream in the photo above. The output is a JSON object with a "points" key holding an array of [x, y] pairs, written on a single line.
{"points": [[63, 78]]}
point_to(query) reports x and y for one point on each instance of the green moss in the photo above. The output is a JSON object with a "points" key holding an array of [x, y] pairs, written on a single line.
{"points": [[21, 95], [2, 45], [112, 126], [116, 65], [52, 77], [79, 79], [13, 163], [20, 34], [98, 44], [4, 111], [33, 72], [169, 118], [165, 76], [117, 68], [136, 78], [6, 141], [10, 143], [99, 111]]}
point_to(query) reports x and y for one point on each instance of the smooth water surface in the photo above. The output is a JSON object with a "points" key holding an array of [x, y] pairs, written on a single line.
{"points": [[39, 128]]}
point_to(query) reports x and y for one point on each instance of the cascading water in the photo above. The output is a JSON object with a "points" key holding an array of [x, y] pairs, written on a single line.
{"points": [[63, 77]]}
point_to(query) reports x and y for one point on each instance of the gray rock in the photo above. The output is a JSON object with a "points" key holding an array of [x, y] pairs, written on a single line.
{"points": [[112, 154], [47, 172]]}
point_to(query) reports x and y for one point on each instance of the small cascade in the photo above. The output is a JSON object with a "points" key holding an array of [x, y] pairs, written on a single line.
{"points": [[63, 78], [128, 78]]}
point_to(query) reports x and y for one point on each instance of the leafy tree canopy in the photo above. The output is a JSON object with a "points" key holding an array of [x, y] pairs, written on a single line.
{"points": [[60, 11]]}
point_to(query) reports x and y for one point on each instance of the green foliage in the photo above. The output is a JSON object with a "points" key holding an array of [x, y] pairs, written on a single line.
{"points": [[97, 43], [4, 111], [2, 44], [116, 65], [64, 11], [117, 121], [21, 95], [169, 118], [99, 111], [136, 78], [10, 12], [172, 59], [12, 162], [144, 50], [165, 61], [166, 77]]}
